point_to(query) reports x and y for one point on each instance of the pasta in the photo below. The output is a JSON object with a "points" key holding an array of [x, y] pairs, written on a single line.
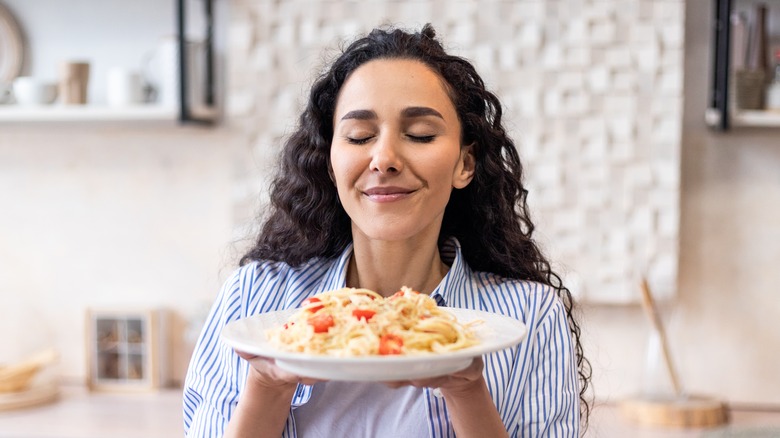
{"points": [[359, 322]]}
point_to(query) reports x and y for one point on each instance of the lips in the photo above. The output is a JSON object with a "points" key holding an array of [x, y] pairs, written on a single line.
{"points": [[387, 194]]}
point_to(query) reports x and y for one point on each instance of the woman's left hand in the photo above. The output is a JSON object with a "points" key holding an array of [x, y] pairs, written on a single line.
{"points": [[468, 400], [457, 383]]}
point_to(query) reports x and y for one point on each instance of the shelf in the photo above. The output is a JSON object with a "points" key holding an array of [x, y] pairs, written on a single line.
{"points": [[721, 113], [755, 118], [191, 70], [95, 113]]}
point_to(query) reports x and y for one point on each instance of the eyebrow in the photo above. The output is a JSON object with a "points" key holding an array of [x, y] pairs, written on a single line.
{"points": [[410, 112], [360, 115], [420, 111]]}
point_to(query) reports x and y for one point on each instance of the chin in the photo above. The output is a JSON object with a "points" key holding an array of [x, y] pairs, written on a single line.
{"points": [[393, 232]]}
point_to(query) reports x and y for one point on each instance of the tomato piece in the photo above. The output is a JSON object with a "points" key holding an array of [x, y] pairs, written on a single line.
{"points": [[311, 302], [321, 322], [288, 325], [401, 293], [365, 314], [390, 344]]}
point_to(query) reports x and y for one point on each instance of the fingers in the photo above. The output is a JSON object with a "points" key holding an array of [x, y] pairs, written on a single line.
{"points": [[469, 374], [245, 356], [268, 373]]}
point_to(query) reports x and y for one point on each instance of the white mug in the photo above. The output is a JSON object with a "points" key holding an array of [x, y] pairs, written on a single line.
{"points": [[28, 90], [124, 87]]}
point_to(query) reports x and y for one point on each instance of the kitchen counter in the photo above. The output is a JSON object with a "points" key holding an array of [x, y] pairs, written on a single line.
{"points": [[79, 413]]}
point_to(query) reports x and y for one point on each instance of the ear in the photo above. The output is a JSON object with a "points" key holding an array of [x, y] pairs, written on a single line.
{"points": [[464, 171]]}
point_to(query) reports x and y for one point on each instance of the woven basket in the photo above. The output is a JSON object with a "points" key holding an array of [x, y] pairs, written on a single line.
{"points": [[18, 377]]}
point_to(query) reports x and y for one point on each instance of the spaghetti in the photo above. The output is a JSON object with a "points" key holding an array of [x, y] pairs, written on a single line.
{"points": [[359, 322]]}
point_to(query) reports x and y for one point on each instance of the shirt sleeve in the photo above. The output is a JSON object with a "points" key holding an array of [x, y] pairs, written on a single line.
{"points": [[549, 404], [216, 373]]}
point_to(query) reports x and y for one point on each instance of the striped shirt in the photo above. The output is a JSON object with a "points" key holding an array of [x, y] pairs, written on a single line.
{"points": [[533, 385]]}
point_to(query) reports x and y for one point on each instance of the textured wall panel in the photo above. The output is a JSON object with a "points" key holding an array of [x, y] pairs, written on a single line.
{"points": [[593, 96]]}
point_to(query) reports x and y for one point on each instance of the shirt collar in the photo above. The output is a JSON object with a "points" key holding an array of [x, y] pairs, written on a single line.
{"points": [[449, 290]]}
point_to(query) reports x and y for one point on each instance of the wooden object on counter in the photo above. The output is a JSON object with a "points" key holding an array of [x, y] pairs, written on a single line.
{"points": [[18, 376], [19, 387], [127, 349], [682, 412], [648, 303], [678, 409], [35, 395]]}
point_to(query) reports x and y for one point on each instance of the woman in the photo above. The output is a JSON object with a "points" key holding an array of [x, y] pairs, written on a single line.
{"points": [[399, 173]]}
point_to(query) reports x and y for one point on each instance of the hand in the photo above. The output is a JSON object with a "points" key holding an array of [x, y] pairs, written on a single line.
{"points": [[455, 384], [263, 371]]}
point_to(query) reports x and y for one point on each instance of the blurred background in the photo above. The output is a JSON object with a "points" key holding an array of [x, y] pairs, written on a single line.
{"points": [[118, 223]]}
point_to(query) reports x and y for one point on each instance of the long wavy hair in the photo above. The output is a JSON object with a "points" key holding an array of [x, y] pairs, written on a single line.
{"points": [[490, 217]]}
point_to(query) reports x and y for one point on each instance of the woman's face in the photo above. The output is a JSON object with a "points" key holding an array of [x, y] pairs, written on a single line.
{"points": [[396, 153]]}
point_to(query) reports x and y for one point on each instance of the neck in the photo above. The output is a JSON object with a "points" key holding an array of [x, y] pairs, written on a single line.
{"points": [[384, 266]]}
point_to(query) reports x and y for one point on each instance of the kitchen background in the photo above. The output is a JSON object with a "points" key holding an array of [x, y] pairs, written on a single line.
{"points": [[605, 98]]}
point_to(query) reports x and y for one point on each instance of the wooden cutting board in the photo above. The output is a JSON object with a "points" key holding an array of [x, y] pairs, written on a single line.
{"points": [[684, 411]]}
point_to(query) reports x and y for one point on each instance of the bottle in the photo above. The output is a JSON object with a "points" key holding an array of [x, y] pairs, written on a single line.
{"points": [[772, 101]]}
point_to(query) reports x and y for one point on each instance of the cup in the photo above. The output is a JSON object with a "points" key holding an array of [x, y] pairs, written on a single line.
{"points": [[125, 87], [74, 79], [28, 90]]}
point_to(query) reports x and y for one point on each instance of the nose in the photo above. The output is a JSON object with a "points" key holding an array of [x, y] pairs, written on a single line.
{"points": [[386, 156]]}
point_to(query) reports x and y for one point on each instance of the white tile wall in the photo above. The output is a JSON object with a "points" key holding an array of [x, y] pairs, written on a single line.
{"points": [[593, 93]]}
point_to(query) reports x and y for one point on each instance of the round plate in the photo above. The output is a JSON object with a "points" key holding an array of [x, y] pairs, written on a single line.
{"points": [[497, 332], [11, 46], [35, 395]]}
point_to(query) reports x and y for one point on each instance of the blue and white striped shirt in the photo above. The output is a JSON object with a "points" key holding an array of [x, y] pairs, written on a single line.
{"points": [[533, 385]]}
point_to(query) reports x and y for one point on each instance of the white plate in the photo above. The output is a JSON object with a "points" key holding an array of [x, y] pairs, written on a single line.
{"points": [[498, 332], [11, 46]]}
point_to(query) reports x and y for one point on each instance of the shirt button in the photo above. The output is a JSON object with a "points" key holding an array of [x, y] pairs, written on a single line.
{"points": [[437, 393]]}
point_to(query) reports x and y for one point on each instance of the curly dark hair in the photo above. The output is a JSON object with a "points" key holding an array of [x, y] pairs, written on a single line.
{"points": [[489, 217]]}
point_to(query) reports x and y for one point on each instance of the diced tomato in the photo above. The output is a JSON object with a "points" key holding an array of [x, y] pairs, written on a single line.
{"points": [[312, 301], [365, 314], [321, 322], [288, 325], [401, 293], [390, 344]]}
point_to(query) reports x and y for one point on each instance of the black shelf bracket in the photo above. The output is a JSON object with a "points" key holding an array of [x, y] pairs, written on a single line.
{"points": [[185, 106], [718, 113]]}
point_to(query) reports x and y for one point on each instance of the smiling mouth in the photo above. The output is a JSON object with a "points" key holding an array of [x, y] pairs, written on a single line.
{"points": [[387, 194]]}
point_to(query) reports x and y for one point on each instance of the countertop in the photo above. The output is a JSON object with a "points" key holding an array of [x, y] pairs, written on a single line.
{"points": [[79, 413]]}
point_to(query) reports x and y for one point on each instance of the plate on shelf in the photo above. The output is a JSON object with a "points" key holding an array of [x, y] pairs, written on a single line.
{"points": [[11, 46], [497, 332]]}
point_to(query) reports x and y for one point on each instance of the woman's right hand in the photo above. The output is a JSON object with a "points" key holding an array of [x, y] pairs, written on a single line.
{"points": [[265, 401], [264, 372]]}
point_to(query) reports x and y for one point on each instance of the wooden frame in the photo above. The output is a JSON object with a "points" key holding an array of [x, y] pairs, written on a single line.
{"points": [[126, 349]]}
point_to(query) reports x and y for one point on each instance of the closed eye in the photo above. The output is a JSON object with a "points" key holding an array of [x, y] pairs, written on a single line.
{"points": [[362, 140], [422, 138]]}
